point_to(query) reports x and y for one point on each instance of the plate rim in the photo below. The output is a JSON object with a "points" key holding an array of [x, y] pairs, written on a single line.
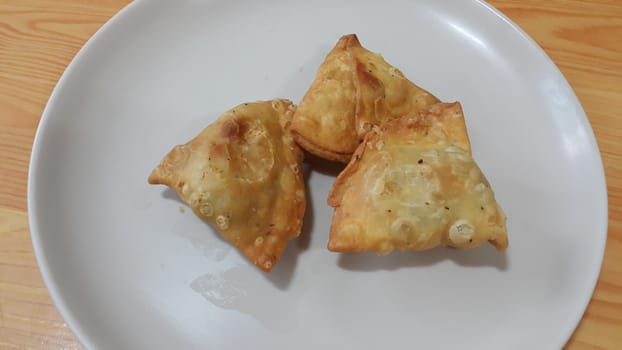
{"points": [[36, 233], [585, 122]]}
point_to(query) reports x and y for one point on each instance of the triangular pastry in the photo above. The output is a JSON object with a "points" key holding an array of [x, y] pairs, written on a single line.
{"points": [[354, 89], [242, 175], [413, 185]]}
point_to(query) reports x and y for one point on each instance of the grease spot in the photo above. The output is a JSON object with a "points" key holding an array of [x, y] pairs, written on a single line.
{"points": [[244, 290], [218, 291]]}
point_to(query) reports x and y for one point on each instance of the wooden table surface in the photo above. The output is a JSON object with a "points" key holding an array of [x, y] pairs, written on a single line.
{"points": [[38, 38]]}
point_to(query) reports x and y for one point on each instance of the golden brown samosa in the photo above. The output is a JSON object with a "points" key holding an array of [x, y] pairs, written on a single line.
{"points": [[354, 89], [413, 185], [242, 175]]}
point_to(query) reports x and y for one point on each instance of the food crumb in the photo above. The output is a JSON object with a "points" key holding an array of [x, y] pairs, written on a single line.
{"points": [[182, 210]]}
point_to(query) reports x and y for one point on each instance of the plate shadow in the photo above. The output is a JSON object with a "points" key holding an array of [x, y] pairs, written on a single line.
{"points": [[323, 166], [477, 257], [170, 194]]}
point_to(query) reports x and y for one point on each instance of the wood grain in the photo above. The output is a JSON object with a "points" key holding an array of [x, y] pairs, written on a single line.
{"points": [[584, 39], [37, 41], [38, 38]]}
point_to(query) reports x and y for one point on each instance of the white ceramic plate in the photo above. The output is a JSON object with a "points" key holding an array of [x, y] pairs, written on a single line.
{"points": [[127, 270]]}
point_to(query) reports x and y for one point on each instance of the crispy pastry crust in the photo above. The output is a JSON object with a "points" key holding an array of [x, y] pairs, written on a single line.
{"points": [[242, 175], [354, 89], [413, 185]]}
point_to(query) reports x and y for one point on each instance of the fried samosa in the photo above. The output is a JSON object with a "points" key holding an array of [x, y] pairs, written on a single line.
{"points": [[413, 185], [242, 175], [354, 89]]}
